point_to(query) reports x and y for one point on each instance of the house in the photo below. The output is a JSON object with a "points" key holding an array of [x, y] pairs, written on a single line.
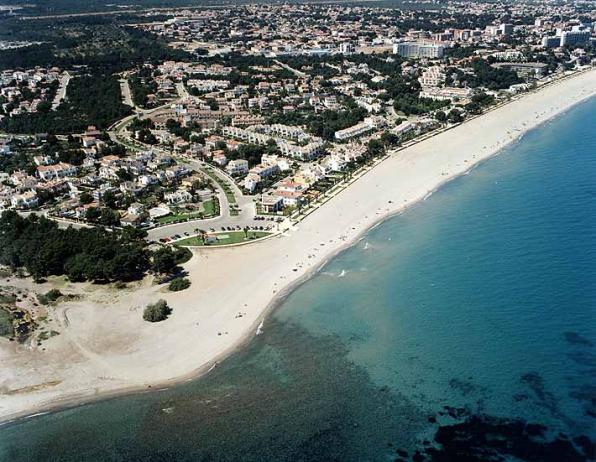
{"points": [[265, 170], [26, 200], [60, 170], [109, 173], [22, 180], [42, 160], [176, 171], [92, 131], [272, 204], [130, 187], [178, 197], [290, 198], [136, 208], [146, 180], [131, 220], [5, 148], [237, 167], [88, 141], [219, 158], [110, 160], [251, 181]]}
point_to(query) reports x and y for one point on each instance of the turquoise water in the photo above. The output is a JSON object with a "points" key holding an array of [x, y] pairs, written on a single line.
{"points": [[482, 298]]}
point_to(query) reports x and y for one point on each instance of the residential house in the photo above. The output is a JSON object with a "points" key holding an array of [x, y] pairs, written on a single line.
{"points": [[237, 167], [26, 200]]}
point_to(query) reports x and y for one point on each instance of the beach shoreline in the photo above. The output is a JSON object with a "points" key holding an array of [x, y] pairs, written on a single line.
{"points": [[410, 176]]}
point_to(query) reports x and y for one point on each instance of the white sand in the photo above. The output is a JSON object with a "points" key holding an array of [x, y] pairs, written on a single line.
{"points": [[105, 347]]}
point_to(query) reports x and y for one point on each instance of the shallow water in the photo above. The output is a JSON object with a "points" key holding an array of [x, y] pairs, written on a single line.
{"points": [[481, 298]]}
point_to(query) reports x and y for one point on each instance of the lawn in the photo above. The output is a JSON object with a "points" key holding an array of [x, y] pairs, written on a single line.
{"points": [[225, 238], [178, 217], [211, 208]]}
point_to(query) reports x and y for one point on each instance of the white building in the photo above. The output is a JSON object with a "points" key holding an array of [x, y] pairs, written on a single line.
{"points": [[418, 50], [574, 37], [366, 125], [27, 200], [51, 172], [237, 167], [178, 197], [251, 181], [451, 93], [432, 77]]}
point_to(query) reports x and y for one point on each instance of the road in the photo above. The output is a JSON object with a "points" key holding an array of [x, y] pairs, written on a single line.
{"points": [[296, 72], [246, 210], [182, 91], [61, 92], [126, 94]]}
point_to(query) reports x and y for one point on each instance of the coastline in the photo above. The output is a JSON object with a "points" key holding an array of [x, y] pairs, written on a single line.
{"points": [[277, 266]]}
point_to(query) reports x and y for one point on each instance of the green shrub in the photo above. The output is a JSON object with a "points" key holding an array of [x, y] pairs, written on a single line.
{"points": [[156, 312], [178, 284], [6, 328], [50, 296], [182, 254]]}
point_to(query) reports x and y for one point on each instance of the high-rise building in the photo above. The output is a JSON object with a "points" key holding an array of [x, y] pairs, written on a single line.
{"points": [[574, 37], [506, 29], [346, 48], [551, 42], [418, 50]]}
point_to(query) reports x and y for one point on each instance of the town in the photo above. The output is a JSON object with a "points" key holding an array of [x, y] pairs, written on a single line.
{"points": [[276, 109]]}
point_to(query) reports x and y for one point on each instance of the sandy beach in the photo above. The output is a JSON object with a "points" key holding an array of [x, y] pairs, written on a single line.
{"points": [[106, 348]]}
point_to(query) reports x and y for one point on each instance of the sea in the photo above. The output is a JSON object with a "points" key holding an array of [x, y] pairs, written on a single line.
{"points": [[463, 329]]}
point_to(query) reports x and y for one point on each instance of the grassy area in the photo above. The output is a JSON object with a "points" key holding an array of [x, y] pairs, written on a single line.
{"points": [[176, 217], [210, 209], [225, 238], [6, 329]]}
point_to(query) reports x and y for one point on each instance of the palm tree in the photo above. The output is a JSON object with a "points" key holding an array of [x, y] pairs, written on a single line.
{"points": [[202, 235]]}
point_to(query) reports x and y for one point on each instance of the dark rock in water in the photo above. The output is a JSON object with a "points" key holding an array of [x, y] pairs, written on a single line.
{"points": [[586, 445], [482, 438], [545, 398], [575, 339], [586, 394], [520, 397], [402, 453], [455, 412], [418, 457], [535, 429], [464, 387], [432, 419]]}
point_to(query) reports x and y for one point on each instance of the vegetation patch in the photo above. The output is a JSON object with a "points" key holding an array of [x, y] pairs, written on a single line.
{"points": [[87, 254], [6, 323], [90, 100], [49, 297], [179, 284], [224, 238], [157, 312]]}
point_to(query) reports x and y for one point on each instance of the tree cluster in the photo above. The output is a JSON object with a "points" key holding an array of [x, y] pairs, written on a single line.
{"points": [[88, 254], [90, 100], [491, 77]]}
